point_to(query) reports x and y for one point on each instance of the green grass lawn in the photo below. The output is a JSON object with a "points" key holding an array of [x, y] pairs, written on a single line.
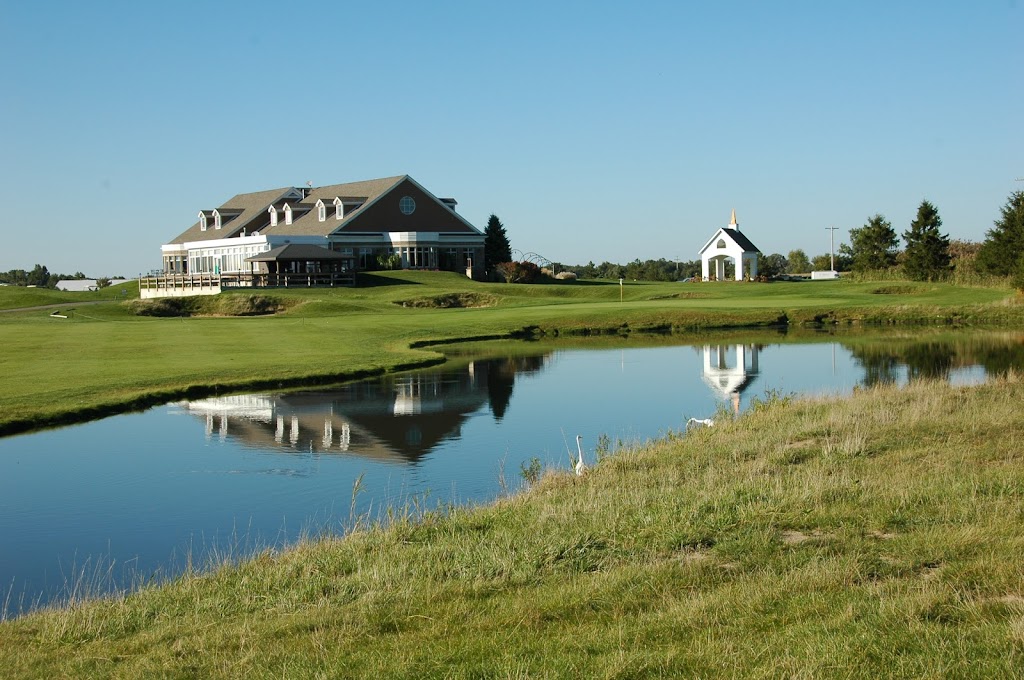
{"points": [[874, 536], [878, 535], [13, 297], [104, 357]]}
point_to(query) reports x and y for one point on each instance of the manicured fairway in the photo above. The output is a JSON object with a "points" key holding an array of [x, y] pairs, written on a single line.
{"points": [[104, 357]]}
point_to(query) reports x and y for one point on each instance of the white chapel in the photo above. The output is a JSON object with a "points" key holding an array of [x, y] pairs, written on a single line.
{"points": [[729, 243]]}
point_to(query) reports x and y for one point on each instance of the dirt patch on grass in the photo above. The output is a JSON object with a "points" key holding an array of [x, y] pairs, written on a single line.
{"points": [[797, 537], [794, 537], [450, 301], [694, 557]]}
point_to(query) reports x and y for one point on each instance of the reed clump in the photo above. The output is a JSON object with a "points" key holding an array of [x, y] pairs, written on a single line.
{"points": [[876, 535]]}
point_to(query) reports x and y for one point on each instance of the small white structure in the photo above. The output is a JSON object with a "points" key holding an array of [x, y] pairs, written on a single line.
{"points": [[825, 275], [728, 378], [77, 285], [729, 244]]}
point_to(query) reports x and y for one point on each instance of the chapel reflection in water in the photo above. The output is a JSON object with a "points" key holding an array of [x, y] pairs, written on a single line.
{"points": [[397, 418], [729, 377]]}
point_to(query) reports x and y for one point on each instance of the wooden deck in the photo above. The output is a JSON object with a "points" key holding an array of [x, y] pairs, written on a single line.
{"points": [[181, 285]]}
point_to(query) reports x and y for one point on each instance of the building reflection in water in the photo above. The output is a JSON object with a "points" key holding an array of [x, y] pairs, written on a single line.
{"points": [[729, 377], [397, 418]]}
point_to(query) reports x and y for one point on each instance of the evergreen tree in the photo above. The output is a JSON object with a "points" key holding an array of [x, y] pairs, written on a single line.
{"points": [[874, 245], [496, 245], [927, 252], [1003, 247], [798, 262]]}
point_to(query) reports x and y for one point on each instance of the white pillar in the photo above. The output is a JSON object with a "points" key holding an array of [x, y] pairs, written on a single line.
{"points": [[704, 269], [720, 268]]}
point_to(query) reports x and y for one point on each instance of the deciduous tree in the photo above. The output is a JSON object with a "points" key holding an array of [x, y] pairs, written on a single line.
{"points": [[927, 251], [772, 265], [39, 276], [798, 262]]}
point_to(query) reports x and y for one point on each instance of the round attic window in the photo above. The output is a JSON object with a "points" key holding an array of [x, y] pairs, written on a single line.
{"points": [[721, 243], [407, 205]]}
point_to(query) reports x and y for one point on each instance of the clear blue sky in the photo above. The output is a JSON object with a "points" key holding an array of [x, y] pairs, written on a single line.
{"points": [[594, 130]]}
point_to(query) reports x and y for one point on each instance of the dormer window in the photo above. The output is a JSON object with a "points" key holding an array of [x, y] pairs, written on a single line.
{"points": [[721, 243], [287, 214], [339, 209], [202, 221], [321, 210], [216, 219], [273, 215]]}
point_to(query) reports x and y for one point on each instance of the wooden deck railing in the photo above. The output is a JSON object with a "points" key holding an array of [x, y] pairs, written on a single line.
{"points": [[185, 284], [288, 280]]}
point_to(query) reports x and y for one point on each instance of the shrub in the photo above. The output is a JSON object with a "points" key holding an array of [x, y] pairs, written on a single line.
{"points": [[518, 272]]}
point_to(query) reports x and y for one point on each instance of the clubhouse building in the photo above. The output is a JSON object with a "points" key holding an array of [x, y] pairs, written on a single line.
{"points": [[319, 236]]}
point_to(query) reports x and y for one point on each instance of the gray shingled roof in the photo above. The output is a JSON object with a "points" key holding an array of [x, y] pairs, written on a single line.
{"points": [[253, 207], [305, 220], [737, 237], [297, 251], [742, 241], [310, 224]]}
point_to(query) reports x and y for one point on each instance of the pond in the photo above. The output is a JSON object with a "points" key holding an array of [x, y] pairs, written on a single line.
{"points": [[137, 497]]}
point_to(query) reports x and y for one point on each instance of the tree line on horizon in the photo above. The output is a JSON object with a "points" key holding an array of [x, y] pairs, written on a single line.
{"points": [[41, 277], [927, 255]]}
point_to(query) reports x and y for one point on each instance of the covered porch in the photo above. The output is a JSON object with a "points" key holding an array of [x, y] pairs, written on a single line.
{"points": [[296, 264]]}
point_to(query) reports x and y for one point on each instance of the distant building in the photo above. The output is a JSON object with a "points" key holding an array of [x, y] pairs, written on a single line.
{"points": [[729, 243], [342, 227], [77, 285]]}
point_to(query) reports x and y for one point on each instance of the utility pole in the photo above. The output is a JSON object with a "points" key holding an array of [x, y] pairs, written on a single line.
{"points": [[832, 247]]}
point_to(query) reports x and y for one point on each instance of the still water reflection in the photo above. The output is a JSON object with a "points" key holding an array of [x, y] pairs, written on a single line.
{"points": [[394, 420], [130, 497]]}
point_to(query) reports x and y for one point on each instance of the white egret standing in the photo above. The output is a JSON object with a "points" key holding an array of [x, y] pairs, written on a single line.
{"points": [[580, 467]]}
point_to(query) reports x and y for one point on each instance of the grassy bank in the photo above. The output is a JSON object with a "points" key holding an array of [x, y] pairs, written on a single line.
{"points": [[876, 536], [107, 357]]}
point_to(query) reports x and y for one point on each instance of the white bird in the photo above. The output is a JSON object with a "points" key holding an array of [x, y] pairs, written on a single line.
{"points": [[580, 467], [699, 422]]}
